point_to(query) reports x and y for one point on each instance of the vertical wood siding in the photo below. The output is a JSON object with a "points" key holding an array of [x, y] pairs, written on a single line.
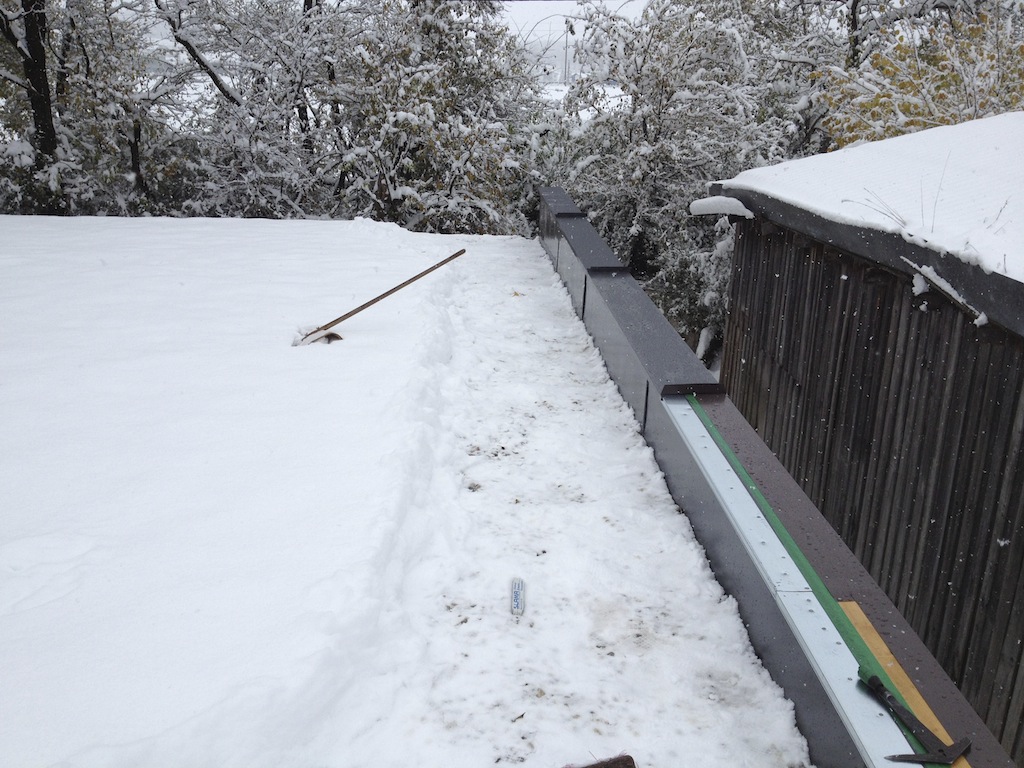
{"points": [[904, 422]]}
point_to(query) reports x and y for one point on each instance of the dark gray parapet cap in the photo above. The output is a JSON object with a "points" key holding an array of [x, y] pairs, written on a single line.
{"points": [[643, 351]]}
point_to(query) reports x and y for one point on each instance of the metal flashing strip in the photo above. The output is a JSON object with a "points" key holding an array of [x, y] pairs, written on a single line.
{"points": [[873, 731]]}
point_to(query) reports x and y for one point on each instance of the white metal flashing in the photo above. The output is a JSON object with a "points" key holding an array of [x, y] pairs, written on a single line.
{"points": [[873, 730]]}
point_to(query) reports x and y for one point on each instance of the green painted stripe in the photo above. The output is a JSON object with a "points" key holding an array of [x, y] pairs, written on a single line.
{"points": [[869, 664]]}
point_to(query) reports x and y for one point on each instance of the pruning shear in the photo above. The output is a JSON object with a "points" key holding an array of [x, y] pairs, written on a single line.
{"points": [[936, 751]]}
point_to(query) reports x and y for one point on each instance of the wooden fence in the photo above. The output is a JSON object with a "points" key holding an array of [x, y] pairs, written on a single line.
{"points": [[903, 421]]}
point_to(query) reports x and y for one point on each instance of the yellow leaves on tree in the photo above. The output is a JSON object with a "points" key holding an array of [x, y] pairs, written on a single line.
{"points": [[927, 72]]}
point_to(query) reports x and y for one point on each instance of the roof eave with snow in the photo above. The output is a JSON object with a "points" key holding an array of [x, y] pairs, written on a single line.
{"points": [[971, 167]]}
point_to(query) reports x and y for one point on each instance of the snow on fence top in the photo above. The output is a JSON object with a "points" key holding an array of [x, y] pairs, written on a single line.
{"points": [[953, 189]]}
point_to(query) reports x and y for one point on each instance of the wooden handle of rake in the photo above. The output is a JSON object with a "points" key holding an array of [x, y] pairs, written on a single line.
{"points": [[318, 333]]}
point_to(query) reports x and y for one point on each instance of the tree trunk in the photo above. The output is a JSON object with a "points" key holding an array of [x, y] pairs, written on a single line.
{"points": [[34, 63], [853, 56], [135, 148]]}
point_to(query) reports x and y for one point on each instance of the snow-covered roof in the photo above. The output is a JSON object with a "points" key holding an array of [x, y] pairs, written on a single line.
{"points": [[954, 189], [218, 548]]}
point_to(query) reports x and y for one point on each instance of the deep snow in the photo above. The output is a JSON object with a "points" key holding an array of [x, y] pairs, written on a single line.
{"points": [[219, 549]]}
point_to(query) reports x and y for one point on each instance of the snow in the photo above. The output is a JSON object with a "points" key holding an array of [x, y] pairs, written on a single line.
{"points": [[953, 188], [222, 550], [21, 152], [720, 205]]}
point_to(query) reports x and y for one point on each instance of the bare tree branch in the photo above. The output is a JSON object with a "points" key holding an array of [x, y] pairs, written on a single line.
{"points": [[12, 78], [174, 22], [10, 33]]}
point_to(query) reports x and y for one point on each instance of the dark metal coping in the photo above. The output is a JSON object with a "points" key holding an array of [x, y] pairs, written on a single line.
{"points": [[998, 296], [648, 361], [644, 354]]}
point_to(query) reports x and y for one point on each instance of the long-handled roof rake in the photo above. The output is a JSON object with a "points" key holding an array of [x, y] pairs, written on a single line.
{"points": [[324, 333]]}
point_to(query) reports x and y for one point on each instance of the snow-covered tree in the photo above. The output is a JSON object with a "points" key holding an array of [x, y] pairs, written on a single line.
{"points": [[928, 70], [24, 27], [255, 70], [793, 40], [25, 75], [111, 101], [110, 104], [439, 135], [669, 102], [415, 111]]}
